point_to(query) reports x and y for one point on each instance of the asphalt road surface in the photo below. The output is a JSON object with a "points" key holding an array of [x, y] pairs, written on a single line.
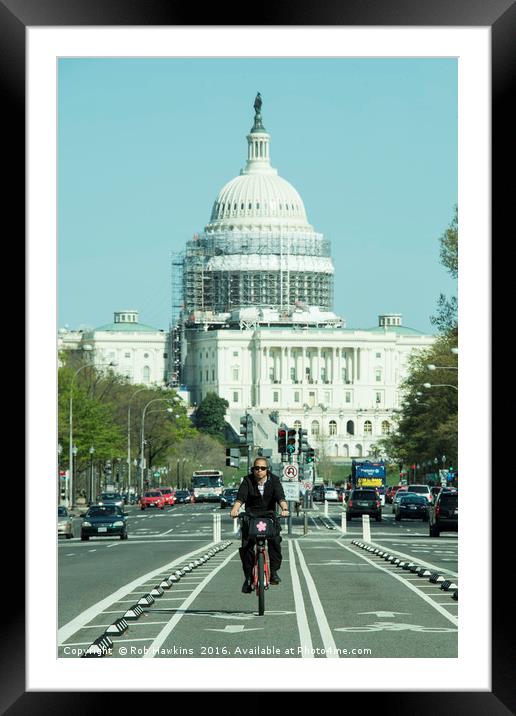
{"points": [[336, 599]]}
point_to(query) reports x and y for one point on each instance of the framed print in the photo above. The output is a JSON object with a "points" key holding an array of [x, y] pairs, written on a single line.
{"points": [[96, 77]]}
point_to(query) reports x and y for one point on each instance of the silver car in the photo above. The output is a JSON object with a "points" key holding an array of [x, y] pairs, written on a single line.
{"points": [[64, 523], [331, 494]]}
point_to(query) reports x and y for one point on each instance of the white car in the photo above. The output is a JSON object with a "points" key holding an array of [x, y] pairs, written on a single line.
{"points": [[421, 490], [331, 494]]}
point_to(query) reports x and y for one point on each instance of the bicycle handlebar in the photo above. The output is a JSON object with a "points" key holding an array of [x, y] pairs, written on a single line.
{"points": [[265, 513]]}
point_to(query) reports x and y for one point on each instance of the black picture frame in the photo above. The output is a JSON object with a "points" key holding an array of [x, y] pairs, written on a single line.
{"points": [[500, 16]]}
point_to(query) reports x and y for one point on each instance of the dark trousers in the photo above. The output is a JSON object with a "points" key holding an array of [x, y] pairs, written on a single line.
{"points": [[247, 554]]}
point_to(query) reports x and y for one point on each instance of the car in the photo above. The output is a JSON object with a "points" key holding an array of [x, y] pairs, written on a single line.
{"points": [[399, 492], [183, 496], [228, 497], [443, 515], [421, 490], [152, 498], [169, 495], [318, 493], [412, 506], [331, 494], [104, 521], [435, 491], [364, 501], [111, 498], [390, 492], [132, 500], [64, 523]]}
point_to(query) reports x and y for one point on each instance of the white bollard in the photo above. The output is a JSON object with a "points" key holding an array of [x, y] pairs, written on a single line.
{"points": [[215, 527], [326, 508], [343, 522], [366, 528], [218, 526]]}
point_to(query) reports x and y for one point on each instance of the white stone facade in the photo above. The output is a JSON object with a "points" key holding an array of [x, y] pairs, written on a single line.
{"points": [[341, 385]]}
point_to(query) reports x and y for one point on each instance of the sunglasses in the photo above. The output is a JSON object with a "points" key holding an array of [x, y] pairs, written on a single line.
{"points": [[259, 467]]}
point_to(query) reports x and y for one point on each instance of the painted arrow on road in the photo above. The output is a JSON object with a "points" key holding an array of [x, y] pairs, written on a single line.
{"points": [[235, 628]]}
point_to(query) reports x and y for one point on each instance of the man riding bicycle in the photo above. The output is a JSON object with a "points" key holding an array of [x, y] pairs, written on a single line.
{"points": [[261, 492]]}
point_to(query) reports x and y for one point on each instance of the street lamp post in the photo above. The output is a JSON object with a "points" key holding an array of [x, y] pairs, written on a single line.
{"points": [[59, 451], [72, 475], [440, 385], [140, 390], [142, 459], [90, 490]]}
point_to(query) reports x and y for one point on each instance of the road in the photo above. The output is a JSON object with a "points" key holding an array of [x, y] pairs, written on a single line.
{"points": [[336, 599]]}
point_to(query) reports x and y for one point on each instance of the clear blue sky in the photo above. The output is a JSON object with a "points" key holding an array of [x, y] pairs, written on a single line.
{"points": [[144, 146]]}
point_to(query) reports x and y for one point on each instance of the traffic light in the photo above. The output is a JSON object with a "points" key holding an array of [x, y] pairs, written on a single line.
{"points": [[233, 457], [310, 455], [282, 441], [303, 440], [246, 430], [63, 493], [291, 441]]}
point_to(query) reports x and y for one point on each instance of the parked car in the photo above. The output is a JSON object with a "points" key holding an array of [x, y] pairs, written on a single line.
{"points": [[228, 498], [364, 501], [411, 506], [390, 492], [443, 515], [421, 490], [111, 498], [104, 521], [152, 498], [331, 494], [182, 496], [64, 523], [169, 495]]}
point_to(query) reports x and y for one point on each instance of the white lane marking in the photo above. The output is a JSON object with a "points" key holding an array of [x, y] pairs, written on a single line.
{"points": [[428, 565], [67, 630], [302, 620], [315, 523], [322, 622], [158, 641], [406, 583]]}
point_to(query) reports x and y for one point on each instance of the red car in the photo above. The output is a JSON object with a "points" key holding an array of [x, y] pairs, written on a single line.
{"points": [[152, 498], [169, 495]]}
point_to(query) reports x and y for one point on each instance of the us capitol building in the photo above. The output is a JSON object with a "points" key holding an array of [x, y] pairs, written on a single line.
{"points": [[253, 322]]}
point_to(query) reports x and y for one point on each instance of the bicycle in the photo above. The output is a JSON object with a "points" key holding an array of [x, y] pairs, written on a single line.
{"points": [[261, 528]]}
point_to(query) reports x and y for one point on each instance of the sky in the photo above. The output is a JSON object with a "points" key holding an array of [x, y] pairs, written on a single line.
{"points": [[145, 145]]}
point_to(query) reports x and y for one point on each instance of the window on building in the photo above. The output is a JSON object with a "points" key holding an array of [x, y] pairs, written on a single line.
{"points": [[213, 375], [146, 373], [378, 397], [315, 427], [207, 373], [344, 375], [350, 427], [348, 397], [235, 354], [200, 376], [368, 427], [378, 375], [386, 428], [275, 397], [145, 355], [327, 398], [333, 427], [235, 397], [378, 355], [296, 396], [127, 355], [297, 424], [235, 374]]}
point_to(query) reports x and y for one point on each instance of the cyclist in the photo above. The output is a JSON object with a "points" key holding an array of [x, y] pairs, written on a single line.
{"points": [[260, 492]]}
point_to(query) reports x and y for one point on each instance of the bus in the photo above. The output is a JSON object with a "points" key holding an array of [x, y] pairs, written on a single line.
{"points": [[207, 485]]}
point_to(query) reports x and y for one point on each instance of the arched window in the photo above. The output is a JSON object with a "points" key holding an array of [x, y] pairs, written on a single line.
{"points": [[386, 427], [350, 427], [297, 424], [368, 427], [345, 450], [358, 450], [315, 427], [146, 374], [333, 427]]}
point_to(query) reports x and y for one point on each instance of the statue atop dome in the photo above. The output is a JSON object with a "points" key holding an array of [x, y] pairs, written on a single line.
{"points": [[258, 103], [258, 126]]}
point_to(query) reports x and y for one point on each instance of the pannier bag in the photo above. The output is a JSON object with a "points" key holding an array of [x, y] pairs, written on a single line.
{"points": [[262, 527]]}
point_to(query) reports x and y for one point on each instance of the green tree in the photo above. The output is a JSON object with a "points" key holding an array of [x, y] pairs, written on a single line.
{"points": [[210, 415], [446, 318]]}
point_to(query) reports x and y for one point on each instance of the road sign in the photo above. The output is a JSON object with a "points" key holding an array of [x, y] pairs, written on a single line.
{"points": [[156, 474], [308, 485], [290, 472], [291, 490]]}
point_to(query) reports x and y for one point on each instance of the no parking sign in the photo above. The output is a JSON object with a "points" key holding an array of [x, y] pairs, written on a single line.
{"points": [[290, 472]]}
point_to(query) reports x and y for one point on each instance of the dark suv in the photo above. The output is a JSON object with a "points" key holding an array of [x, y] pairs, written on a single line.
{"points": [[443, 515], [364, 502]]}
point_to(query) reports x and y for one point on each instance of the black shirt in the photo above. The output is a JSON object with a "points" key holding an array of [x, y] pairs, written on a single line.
{"points": [[249, 493]]}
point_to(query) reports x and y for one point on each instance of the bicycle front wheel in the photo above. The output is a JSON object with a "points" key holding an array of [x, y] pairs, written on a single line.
{"points": [[261, 584]]}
